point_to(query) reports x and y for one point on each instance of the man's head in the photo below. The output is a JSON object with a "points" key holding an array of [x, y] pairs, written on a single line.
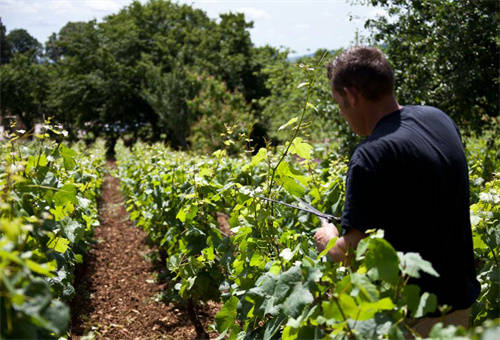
{"points": [[364, 68], [362, 84]]}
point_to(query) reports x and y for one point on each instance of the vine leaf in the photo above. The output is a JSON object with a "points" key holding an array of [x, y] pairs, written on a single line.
{"points": [[65, 194], [427, 304], [411, 263], [227, 315]]}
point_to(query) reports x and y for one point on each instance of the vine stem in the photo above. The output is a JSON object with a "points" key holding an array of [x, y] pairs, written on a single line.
{"points": [[401, 284], [296, 131], [494, 255], [349, 330]]}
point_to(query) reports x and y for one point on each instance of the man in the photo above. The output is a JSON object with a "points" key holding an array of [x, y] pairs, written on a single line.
{"points": [[408, 177]]}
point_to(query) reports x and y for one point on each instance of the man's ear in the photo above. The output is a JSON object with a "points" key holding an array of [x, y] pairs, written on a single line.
{"points": [[351, 94]]}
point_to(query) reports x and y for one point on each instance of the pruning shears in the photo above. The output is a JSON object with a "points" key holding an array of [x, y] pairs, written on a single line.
{"points": [[304, 207]]}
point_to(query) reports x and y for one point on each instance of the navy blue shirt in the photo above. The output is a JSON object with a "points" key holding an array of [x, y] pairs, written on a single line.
{"points": [[410, 178]]}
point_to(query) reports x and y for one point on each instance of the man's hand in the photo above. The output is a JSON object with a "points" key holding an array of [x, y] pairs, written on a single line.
{"points": [[325, 234], [339, 252]]}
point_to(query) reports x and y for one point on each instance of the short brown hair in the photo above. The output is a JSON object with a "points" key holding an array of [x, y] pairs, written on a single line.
{"points": [[364, 68]]}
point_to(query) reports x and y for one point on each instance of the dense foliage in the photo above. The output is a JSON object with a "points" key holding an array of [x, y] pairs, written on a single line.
{"points": [[48, 209], [266, 270]]}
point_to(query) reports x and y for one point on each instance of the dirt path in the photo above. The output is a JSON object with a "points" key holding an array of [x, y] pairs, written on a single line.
{"points": [[116, 289]]}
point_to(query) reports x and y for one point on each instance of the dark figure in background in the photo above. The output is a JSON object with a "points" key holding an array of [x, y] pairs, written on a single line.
{"points": [[409, 177], [259, 138]]}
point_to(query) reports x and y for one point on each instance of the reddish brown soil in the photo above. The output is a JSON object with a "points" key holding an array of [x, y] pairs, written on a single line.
{"points": [[116, 288]]}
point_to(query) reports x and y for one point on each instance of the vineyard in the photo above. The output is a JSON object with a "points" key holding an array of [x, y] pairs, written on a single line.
{"points": [[220, 242], [265, 269], [48, 209], [174, 191]]}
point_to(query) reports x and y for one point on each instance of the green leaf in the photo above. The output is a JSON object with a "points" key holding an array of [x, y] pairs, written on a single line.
{"points": [[259, 157], [329, 246], [42, 161], [72, 229], [209, 253], [411, 297], [427, 304], [369, 309], [65, 194], [59, 244], [286, 280], [44, 269], [265, 286], [302, 149], [193, 210], [283, 170], [367, 290], [37, 297], [273, 326], [331, 311], [227, 315], [181, 215], [382, 261], [30, 164], [348, 306], [58, 316], [68, 157], [396, 333], [78, 258], [289, 333], [412, 263], [297, 300], [58, 213], [292, 187], [258, 260], [65, 151], [478, 242]]}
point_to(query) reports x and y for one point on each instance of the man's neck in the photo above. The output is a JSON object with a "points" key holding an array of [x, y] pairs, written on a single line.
{"points": [[378, 110]]}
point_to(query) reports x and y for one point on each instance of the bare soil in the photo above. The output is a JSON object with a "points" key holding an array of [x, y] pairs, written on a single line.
{"points": [[116, 287]]}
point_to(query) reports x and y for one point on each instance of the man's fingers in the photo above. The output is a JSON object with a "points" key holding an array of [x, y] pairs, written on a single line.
{"points": [[326, 224]]}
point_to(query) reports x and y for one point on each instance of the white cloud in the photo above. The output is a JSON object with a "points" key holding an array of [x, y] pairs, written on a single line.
{"points": [[377, 11], [254, 13], [103, 5], [303, 26], [61, 6], [19, 6]]}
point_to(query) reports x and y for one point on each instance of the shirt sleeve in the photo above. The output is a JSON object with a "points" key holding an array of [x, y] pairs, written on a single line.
{"points": [[359, 194]]}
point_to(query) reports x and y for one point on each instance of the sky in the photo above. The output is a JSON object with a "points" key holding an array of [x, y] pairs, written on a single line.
{"points": [[303, 26]]}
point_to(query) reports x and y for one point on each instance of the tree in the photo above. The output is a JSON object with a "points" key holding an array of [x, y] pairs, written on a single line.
{"points": [[5, 48], [222, 118], [24, 89], [22, 42], [445, 53], [52, 51]]}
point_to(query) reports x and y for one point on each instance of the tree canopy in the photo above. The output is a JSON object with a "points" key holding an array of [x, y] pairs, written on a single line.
{"points": [[20, 41], [5, 49], [131, 70]]}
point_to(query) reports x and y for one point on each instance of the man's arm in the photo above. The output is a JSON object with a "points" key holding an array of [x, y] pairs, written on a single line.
{"points": [[339, 252]]}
